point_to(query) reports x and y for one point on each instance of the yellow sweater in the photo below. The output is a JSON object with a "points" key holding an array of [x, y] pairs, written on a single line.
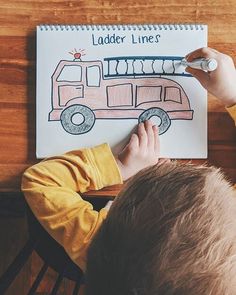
{"points": [[52, 189]]}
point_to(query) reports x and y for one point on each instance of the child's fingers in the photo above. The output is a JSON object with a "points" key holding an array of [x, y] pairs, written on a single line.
{"points": [[156, 140], [201, 52], [131, 148], [202, 76], [150, 134], [142, 135], [133, 143]]}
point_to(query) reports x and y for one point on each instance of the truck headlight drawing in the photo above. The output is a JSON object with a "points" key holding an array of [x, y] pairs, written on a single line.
{"points": [[132, 88]]}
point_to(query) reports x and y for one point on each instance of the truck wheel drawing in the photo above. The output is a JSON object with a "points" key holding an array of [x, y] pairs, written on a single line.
{"points": [[161, 114], [83, 127], [132, 88]]}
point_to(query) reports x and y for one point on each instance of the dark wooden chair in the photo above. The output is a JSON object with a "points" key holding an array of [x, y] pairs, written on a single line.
{"points": [[52, 254]]}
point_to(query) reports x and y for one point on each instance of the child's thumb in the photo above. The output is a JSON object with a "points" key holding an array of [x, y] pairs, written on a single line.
{"points": [[200, 75]]}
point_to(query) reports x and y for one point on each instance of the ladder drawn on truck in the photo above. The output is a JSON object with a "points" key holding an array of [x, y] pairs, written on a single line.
{"points": [[132, 88], [155, 65]]}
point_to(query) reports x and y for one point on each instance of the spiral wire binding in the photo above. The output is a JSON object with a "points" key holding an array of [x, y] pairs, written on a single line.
{"points": [[128, 27]]}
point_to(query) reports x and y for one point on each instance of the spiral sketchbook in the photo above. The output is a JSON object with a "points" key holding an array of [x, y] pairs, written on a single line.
{"points": [[96, 82]]}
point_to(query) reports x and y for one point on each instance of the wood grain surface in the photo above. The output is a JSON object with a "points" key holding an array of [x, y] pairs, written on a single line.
{"points": [[18, 20]]}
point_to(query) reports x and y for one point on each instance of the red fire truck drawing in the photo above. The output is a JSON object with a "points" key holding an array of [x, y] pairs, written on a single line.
{"points": [[81, 88]]}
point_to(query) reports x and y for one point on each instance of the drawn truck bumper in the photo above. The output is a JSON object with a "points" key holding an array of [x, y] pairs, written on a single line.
{"points": [[89, 116]]}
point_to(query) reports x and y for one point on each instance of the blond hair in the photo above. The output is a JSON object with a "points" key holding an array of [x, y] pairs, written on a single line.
{"points": [[172, 231]]}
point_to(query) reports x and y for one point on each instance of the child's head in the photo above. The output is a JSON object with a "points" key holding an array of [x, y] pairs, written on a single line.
{"points": [[172, 231]]}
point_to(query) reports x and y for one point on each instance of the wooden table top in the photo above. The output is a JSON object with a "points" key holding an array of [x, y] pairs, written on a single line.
{"points": [[18, 20]]}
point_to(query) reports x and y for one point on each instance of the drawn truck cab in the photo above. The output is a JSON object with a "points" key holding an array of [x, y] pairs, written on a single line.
{"points": [[81, 94]]}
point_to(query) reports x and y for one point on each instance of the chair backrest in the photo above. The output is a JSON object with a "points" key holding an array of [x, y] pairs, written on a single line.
{"points": [[52, 254], [51, 251]]}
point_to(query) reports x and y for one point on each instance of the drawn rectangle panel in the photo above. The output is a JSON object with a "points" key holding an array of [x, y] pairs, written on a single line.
{"points": [[120, 95], [148, 94], [67, 92]]}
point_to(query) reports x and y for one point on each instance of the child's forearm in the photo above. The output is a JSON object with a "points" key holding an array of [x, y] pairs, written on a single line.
{"points": [[51, 187], [80, 171]]}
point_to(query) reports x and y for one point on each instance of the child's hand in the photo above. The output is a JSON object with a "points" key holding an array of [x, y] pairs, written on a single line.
{"points": [[220, 82], [143, 150]]}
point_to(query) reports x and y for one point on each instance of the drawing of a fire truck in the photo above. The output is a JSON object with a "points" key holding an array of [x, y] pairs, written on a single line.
{"points": [[80, 89]]}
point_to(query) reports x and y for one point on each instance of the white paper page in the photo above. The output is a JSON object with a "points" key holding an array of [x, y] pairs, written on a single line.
{"points": [[95, 83]]}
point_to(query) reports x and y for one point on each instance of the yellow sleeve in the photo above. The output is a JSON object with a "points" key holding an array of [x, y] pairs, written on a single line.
{"points": [[51, 189], [232, 112]]}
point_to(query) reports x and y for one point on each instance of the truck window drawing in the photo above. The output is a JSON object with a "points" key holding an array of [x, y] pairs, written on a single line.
{"points": [[133, 87]]}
